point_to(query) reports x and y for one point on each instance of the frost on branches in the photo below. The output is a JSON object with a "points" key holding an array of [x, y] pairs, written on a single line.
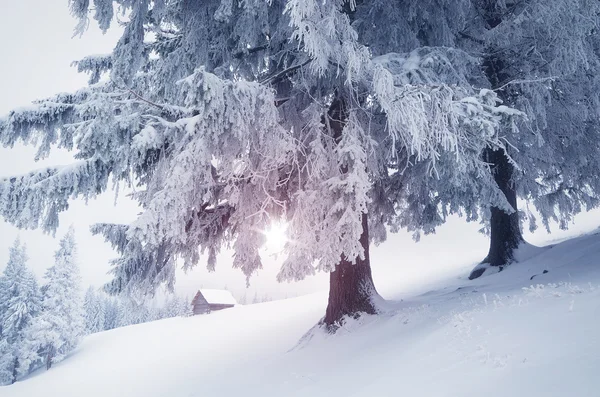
{"points": [[223, 116], [549, 62], [19, 304], [540, 58], [94, 309], [103, 312], [56, 331]]}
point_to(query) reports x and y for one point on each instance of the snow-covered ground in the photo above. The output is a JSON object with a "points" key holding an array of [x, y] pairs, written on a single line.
{"points": [[502, 335]]}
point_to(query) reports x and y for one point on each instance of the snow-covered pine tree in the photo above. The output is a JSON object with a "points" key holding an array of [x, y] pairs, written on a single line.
{"points": [[19, 304], [542, 58], [7, 362], [113, 312], [229, 115], [94, 309], [172, 307], [134, 312], [56, 331], [185, 307], [157, 313]]}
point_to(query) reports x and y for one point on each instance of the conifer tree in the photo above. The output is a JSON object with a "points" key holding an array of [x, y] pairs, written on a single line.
{"points": [[542, 58], [94, 309], [539, 57], [7, 363], [113, 312], [19, 304], [134, 312], [57, 330], [185, 308], [229, 115]]}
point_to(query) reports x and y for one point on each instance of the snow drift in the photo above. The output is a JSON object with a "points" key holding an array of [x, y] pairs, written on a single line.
{"points": [[531, 330]]}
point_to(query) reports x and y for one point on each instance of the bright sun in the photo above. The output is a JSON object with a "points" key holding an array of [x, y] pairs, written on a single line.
{"points": [[275, 237]]}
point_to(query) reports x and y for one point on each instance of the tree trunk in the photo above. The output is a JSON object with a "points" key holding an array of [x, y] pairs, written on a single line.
{"points": [[14, 371], [351, 286], [505, 229], [49, 357]]}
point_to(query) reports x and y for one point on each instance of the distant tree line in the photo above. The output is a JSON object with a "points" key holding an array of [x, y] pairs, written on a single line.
{"points": [[256, 298], [104, 312], [41, 326]]}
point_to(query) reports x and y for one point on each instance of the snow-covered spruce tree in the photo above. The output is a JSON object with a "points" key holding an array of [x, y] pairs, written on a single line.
{"points": [[175, 307], [94, 309], [542, 58], [6, 363], [113, 312], [423, 36], [19, 304], [185, 308], [227, 115], [134, 312], [56, 331]]}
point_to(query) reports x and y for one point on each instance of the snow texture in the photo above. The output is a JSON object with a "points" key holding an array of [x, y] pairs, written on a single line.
{"points": [[503, 335]]}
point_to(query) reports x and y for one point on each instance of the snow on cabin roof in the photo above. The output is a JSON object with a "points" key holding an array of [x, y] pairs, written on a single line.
{"points": [[218, 296]]}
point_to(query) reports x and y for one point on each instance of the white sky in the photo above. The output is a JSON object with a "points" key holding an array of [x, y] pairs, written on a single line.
{"points": [[37, 49]]}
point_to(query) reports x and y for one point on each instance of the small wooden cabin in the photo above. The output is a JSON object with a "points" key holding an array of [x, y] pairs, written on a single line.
{"points": [[210, 300]]}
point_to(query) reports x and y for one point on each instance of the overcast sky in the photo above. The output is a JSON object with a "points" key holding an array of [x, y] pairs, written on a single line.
{"points": [[37, 49]]}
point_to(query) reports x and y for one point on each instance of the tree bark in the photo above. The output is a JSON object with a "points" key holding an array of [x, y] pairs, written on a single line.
{"points": [[49, 357], [14, 371], [505, 236], [505, 230], [351, 286]]}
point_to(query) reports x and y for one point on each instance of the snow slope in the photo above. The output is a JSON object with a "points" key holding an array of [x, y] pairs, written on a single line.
{"points": [[502, 335]]}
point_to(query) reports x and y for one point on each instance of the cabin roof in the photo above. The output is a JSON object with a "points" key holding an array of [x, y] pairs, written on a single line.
{"points": [[218, 296]]}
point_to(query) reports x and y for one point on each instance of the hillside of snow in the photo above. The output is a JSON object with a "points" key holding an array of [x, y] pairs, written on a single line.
{"points": [[530, 330]]}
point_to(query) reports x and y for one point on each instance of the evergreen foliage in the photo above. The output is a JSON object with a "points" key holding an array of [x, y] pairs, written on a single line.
{"points": [[57, 330], [19, 304], [227, 115], [94, 307], [220, 142], [103, 312]]}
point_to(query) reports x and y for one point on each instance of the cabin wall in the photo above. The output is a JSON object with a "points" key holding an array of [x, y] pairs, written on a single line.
{"points": [[201, 308], [200, 305], [215, 307]]}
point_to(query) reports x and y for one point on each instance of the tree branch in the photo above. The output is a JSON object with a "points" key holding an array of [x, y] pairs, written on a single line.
{"points": [[279, 75]]}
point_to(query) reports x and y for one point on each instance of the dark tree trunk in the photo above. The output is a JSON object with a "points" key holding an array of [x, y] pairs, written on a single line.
{"points": [[49, 357], [505, 229], [14, 371], [351, 286]]}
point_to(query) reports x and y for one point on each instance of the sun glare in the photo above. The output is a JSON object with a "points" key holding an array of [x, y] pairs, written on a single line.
{"points": [[276, 238]]}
